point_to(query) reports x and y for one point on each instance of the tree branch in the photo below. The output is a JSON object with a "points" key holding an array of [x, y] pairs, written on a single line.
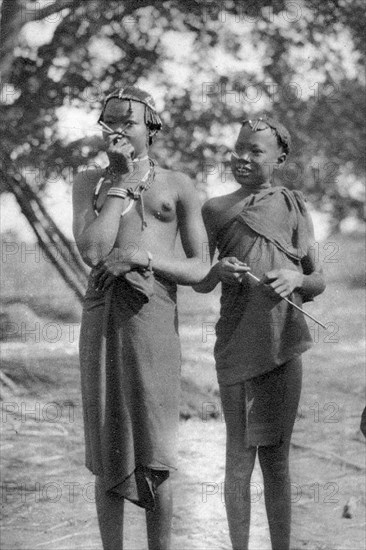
{"points": [[37, 14]]}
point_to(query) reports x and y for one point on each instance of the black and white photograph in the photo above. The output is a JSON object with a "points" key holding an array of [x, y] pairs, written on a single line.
{"points": [[182, 320]]}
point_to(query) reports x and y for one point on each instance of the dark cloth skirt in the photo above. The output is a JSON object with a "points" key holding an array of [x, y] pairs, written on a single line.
{"points": [[262, 410], [130, 378]]}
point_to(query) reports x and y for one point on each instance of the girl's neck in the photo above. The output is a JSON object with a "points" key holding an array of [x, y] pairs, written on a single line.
{"points": [[246, 190]]}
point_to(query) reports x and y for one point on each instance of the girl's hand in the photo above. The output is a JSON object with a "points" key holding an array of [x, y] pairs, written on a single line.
{"points": [[117, 265], [283, 281], [231, 270], [108, 271], [120, 153]]}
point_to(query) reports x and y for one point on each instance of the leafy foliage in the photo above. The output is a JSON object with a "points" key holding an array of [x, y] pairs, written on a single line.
{"points": [[324, 112]]}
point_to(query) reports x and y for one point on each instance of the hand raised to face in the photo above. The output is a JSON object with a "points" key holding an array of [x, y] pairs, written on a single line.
{"points": [[125, 133]]}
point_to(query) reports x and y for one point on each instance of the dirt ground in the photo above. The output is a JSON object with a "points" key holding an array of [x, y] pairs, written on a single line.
{"points": [[48, 495]]}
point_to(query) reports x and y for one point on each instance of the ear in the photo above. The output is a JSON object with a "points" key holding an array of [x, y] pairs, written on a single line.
{"points": [[281, 159]]}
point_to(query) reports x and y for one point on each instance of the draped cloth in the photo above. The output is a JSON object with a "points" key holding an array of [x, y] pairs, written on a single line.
{"points": [[257, 331], [130, 373]]}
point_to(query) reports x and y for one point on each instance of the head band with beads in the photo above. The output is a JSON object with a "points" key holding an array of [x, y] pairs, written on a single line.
{"points": [[133, 93], [263, 122]]}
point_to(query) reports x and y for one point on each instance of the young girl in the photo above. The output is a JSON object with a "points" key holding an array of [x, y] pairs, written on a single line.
{"points": [[126, 220], [260, 337]]}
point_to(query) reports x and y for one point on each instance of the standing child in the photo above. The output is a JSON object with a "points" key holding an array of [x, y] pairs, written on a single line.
{"points": [[126, 221], [260, 337]]}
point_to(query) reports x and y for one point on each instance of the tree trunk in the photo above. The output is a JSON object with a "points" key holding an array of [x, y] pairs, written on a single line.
{"points": [[51, 239]]}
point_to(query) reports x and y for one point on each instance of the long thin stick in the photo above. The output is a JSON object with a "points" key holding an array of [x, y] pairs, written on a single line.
{"points": [[107, 129], [291, 303]]}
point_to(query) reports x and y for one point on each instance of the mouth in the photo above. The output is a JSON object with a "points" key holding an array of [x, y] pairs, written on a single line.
{"points": [[243, 171]]}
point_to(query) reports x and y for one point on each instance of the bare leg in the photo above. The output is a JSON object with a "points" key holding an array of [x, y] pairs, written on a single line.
{"points": [[274, 462], [239, 467], [159, 521], [110, 509], [277, 492]]}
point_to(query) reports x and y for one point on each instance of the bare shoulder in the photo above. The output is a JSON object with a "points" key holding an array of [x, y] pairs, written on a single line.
{"points": [[213, 205], [222, 202], [182, 184], [178, 178], [213, 209]]}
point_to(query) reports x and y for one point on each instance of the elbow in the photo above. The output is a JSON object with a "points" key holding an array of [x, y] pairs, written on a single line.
{"points": [[316, 292], [203, 269], [200, 284], [90, 260], [92, 254], [313, 286], [322, 286]]}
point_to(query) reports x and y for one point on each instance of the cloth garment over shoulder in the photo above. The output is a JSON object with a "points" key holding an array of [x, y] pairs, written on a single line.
{"points": [[130, 375], [257, 331]]}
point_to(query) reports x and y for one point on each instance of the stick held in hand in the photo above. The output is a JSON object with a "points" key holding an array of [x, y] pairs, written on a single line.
{"points": [[290, 302]]}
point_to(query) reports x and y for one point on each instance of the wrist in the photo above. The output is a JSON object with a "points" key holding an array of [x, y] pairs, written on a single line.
{"points": [[117, 175], [142, 260], [300, 281], [216, 271]]}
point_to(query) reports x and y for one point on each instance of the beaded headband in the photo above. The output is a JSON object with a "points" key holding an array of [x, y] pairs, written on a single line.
{"points": [[132, 93], [276, 127]]}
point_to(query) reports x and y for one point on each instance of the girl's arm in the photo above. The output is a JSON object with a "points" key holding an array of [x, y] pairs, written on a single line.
{"points": [[210, 281], [194, 267], [309, 283], [212, 278], [187, 271], [95, 235], [313, 282]]}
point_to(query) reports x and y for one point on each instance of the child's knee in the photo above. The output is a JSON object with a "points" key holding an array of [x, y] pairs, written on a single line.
{"points": [[240, 459], [274, 462]]}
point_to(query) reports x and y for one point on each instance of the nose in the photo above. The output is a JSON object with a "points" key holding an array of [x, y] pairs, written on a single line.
{"points": [[121, 130], [244, 157], [112, 131], [120, 133]]}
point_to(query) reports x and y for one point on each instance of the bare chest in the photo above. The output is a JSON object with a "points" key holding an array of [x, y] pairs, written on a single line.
{"points": [[158, 202]]}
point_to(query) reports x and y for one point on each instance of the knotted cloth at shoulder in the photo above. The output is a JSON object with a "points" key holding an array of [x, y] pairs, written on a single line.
{"points": [[279, 215]]}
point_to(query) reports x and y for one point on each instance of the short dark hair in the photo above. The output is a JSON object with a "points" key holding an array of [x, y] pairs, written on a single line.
{"points": [[279, 130]]}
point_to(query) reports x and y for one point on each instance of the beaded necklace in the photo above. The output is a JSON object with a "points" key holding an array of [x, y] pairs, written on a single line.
{"points": [[133, 194]]}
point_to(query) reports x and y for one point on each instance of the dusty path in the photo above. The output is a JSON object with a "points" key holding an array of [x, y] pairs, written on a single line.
{"points": [[47, 494]]}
